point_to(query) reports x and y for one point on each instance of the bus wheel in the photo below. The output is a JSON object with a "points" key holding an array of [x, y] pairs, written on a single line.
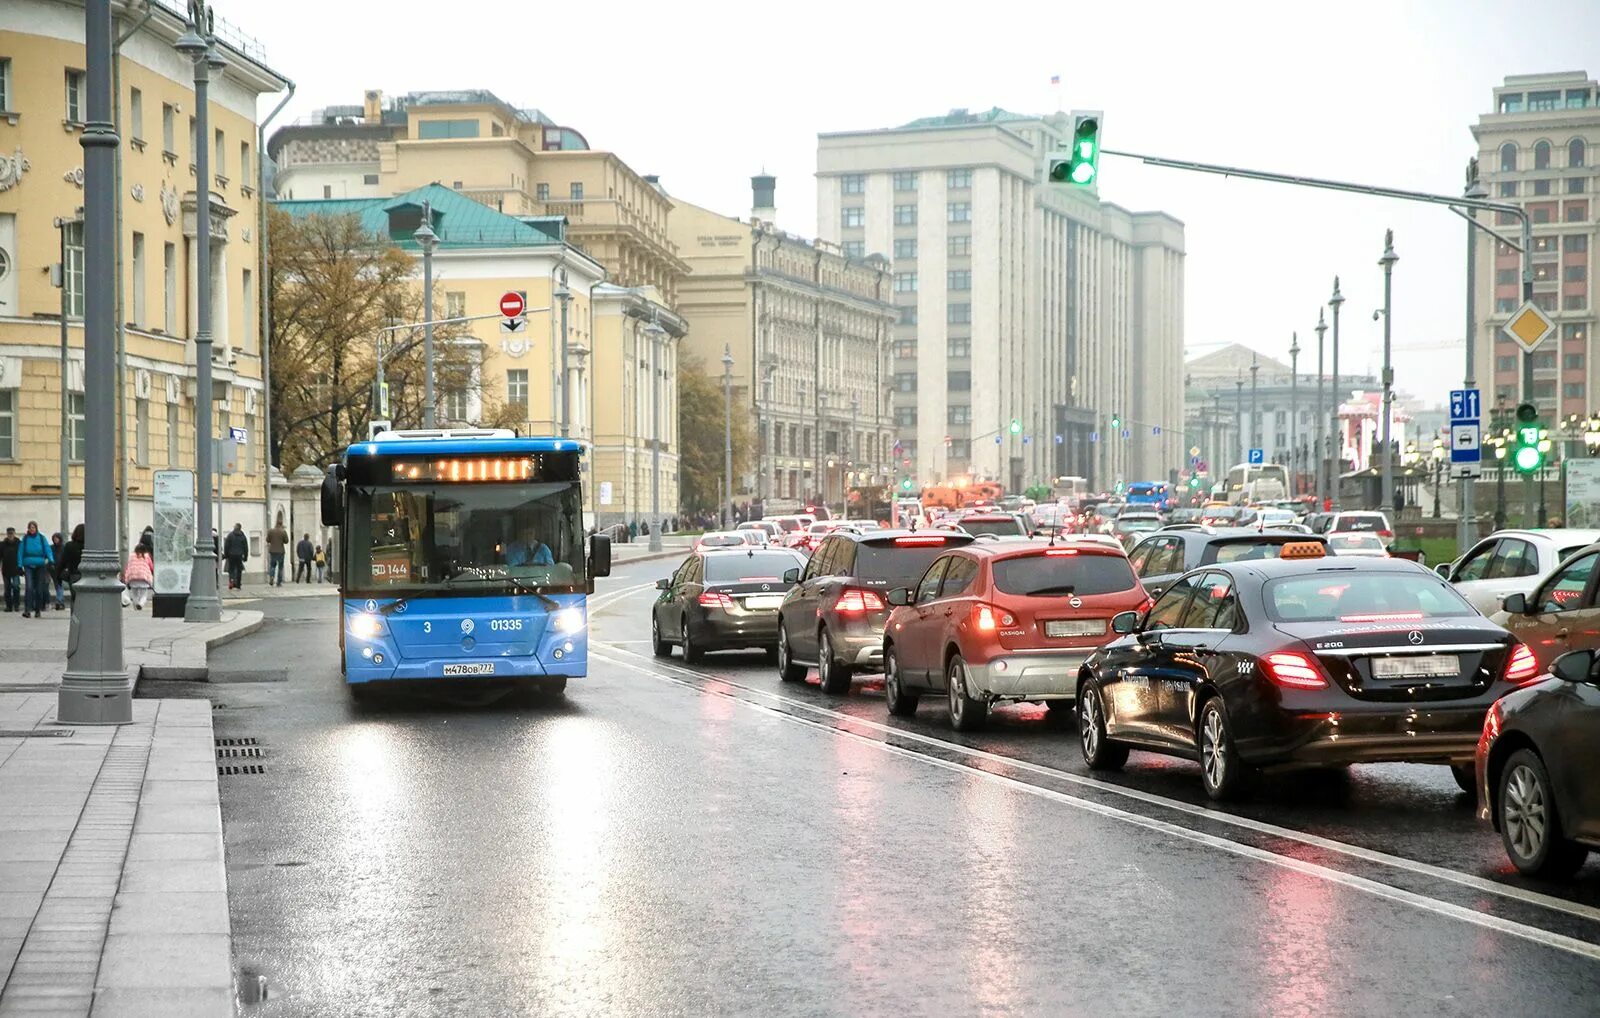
{"points": [[551, 689], [360, 692]]}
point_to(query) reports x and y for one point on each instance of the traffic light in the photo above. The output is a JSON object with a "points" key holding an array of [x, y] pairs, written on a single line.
{"points": [[1528, 453], [1080, 164], [1016, 426], [1194, 482], [1116, 422], [905, 484]]}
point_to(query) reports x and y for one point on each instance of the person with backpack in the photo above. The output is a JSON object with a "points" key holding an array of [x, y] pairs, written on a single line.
{"points": [[322, 563], [34, 555], [140, 574], [236, 551]]}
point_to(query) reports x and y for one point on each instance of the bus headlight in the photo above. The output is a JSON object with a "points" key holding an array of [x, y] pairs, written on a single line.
{"points": [[567, 620], [365, 626]]}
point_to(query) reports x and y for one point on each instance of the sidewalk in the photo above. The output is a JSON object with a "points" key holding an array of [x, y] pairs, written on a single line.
{"points": [[113, 891]]}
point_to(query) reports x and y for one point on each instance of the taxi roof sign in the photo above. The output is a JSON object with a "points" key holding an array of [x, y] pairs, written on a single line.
{"points": [[1529, 326], [1303, 549]]}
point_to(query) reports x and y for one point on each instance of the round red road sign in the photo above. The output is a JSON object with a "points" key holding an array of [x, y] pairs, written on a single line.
{"points": [[511, 304]]}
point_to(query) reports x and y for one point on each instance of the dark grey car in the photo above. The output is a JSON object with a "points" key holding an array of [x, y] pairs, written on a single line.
{"points": [[1167, 554]]}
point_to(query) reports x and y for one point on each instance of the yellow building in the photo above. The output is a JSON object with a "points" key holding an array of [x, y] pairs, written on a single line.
{"points": [[42, 109], [514, 161], [628, 411]]}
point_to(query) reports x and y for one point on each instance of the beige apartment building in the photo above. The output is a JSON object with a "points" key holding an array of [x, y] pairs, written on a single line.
{"points": [[1540, 148], [1016, 301], [42, 111], [808, 328], [516, 161]]}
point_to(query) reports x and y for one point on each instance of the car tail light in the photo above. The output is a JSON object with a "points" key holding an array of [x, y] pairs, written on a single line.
{"points": [[854, 601], [1386, 534], [716, 599], [1521, 666], [1293, 671], [928, 539], [987, 618]]}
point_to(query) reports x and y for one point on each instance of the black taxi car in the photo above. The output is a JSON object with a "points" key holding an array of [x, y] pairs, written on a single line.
{"points": [[1299, 661]]}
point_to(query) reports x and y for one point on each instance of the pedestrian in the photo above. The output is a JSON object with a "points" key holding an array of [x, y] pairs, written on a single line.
{"points": [[72, 558], [236, 552], [139, 574], [11, 568], [34, 554], [303, 554], [56, 546], [277, 545], [321, 563]]}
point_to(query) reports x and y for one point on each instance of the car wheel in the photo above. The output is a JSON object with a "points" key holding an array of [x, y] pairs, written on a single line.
{"points": [[1465, 777], [1099, 752], [833, 676], [691, 653], [1059, 713], [788, 671], [1529, 823], [966, 714], [658, 645], [1222, 773], [902, 703]]}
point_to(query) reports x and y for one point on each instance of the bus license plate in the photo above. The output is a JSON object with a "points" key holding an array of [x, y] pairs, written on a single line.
{"points": [[1432, 666], [475, 668]]}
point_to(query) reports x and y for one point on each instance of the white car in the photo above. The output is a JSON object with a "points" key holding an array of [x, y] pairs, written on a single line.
{"points": [[1357, 544], [1360, 522], [1511, 562], [1275, 518]]}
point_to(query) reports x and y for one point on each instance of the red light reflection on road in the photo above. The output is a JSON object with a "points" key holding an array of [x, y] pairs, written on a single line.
{"points": [[1300, 911]]}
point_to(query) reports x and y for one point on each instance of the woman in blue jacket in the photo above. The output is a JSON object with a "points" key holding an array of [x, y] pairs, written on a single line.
{"points": [[35, 557]]}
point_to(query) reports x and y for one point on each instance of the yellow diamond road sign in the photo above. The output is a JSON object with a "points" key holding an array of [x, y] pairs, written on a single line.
{"points": [[1529, 326]]}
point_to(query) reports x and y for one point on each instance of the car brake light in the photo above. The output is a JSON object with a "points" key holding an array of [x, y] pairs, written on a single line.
{"points": [[1382, 617], [716, 599], [987, 618], [1386, 533], [1061, 551], [852, 601], [1293, 671], [928, 539], [1521, 667]]}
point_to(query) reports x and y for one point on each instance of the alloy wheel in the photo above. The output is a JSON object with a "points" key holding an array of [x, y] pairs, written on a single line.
{"points": [[1524, 812], [957, 685], [1211, 751], [1089, 723]]}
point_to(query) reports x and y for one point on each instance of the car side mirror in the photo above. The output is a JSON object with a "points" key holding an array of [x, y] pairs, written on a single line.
{"points": [[1443, 569], [900, 596], [1123, 623], [599, 555], [665, 583], [1575, 666], [1515, 604], [791, 576]]}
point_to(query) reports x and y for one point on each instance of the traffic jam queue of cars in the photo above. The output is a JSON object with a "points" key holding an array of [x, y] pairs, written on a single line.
{"points": [[1246, 649]]}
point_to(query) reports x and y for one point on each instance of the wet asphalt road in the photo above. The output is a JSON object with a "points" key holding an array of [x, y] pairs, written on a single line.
{"points": [[706, 841]]}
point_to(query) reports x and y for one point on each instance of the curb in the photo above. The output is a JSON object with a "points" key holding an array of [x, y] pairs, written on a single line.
{"points": [[202, 672], [651, 557]]}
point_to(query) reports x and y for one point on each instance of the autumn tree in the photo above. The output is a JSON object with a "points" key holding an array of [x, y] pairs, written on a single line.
{"points": [[700, 436]]}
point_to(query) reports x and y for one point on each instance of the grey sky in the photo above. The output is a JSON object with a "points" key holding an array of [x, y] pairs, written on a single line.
{"points": [[705, 94]]}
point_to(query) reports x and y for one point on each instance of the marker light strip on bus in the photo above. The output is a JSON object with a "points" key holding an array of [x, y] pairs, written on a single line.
{"points": [[499, 468]]}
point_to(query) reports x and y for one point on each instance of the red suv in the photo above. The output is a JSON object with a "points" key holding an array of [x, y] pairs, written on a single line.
{"points": [[996, 621]]}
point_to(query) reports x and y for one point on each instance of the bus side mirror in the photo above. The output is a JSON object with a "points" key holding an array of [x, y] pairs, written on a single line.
{"points": [[599, 555], [332, 499]]}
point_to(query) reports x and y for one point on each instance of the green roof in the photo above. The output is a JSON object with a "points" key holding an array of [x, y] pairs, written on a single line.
{"points": [[957, 118], [460, 222]]}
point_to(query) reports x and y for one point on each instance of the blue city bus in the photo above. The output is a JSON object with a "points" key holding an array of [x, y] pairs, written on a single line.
{"points": [[462, 555], [1154, 494]]}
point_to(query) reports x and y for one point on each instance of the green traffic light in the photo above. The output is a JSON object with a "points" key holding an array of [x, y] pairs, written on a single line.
{"points": [[1085, 153], [1527, 458], [1116, 422], [905, 485], [1016, 426]]}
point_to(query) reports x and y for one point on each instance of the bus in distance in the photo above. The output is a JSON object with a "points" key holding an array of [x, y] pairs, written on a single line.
{"points": [[1152, 494], [1261, 482], [462, 556]]}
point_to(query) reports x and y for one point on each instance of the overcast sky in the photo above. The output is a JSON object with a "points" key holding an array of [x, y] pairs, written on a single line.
{"points": [[706, 94]]}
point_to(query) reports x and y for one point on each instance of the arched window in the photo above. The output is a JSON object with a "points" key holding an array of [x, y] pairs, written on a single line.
{"points": [[1508, 156], [1541, 155], [1575, 152]]}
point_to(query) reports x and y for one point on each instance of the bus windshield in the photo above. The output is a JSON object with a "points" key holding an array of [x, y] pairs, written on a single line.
{"points": [[465, 537]]}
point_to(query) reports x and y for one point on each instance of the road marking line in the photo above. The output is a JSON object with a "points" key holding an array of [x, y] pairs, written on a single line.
{"points": [[601, 602], [1477, 883]]}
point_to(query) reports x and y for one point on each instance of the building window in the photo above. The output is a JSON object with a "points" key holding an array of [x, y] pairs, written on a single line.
{"points": [[1511, 103], [853, 183], [1540, 188], [76, 430], [1541, 213], [1544, 245], [905, 416], [905, 215], [1505, 277], [958, 381], [8, 424], [249, 331], [1544, 390], [955, 414], [959, 279], [905, 282], [517, 389], [169, 142], [1508, 189], [1577, 98], [1506, 363], [327, 190], [960, 449], [575, 189], [219, 155], [173, 434], [455, 304], [1575, 152], [1544, 360], [905, 181], [1541, 155], [1572, 390], [1577, 211], [960, 247], [74, 268], [435, 129], [169, 289], [958, 314], [1574, 243], [960, 346], [959, 212], [74, 96], [1508, 157], [138, 279], [194, 146], [854, 216], [905, 382], [135, 111], [957, 180], [908, 314], [1572, 361], [141, 432], [1574, 302], [905, 349], [541, 192], [905, 247], [1573, 331], [1504, 305], [1575, 185], [855, 248], [453, 405], [1543, 100], [246, 178], [1574, 274]]}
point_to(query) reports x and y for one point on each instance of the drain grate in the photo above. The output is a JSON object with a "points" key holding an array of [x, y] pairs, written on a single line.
{"points": [[240, 751], [227, 769], [237, 742]]}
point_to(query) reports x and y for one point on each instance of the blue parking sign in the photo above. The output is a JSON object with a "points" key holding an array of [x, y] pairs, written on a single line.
{"points": [[1257, 457]]}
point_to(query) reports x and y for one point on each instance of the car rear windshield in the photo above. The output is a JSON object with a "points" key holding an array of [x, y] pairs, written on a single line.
{"points": [[720, 540], [787, 525], [1354, 541], [1137, 526], [1001, 528], [1387, 596], [753, 568], [1360, 521], [1244, 549], [1045, 574], [891, 564]]}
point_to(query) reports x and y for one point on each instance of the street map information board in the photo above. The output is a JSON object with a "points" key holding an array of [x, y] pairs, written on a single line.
{"points": [[174, 530], [1583, 493]]}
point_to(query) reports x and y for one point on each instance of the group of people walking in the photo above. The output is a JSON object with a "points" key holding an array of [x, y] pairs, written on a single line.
{"points": [[36, 569], [308, 556]]}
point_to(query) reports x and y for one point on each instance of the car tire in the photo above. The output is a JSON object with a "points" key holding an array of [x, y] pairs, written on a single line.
{"points": [[902, 702], [658, 646], [1060, 713], [1530, 826], [1100, 753], [691, 653], [966, 714], [831, 675], [788, 671], [1466, 777], [1222, 773]]}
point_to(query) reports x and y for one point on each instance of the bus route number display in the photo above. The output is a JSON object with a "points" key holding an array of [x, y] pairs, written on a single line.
{"points": [[462, 469]]}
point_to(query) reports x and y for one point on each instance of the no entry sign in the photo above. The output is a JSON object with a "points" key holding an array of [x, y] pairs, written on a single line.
{"points": [[511, 304]]}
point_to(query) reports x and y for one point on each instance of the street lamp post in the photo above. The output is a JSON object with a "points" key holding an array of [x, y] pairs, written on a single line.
{"points": [[427, 240], [95, 689], [1255, 416], [1475, 189], [1320, 431], [1294, 408], [1335, 459], [727, 428], [1238, 415], [657, 335], [1387, 261], [563, 295], [203, 604], [62, 226]]}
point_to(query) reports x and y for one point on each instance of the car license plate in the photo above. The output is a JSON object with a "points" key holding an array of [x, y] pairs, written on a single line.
{"points": [[1075, 627], [475, 668], [1429, 666], [763, 601]]}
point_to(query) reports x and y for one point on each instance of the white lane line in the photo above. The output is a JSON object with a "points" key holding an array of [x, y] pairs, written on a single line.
{"points": [[600, 602], [1416, 867], [1447, 909]]}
